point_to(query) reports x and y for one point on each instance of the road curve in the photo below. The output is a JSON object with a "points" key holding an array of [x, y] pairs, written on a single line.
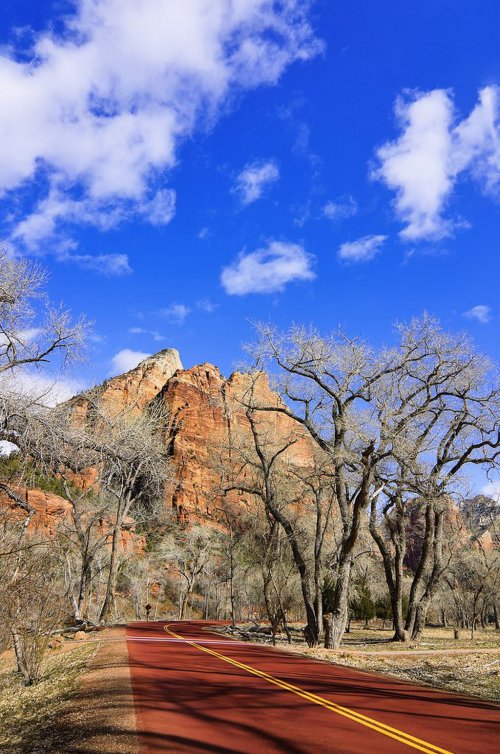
{"points": [[195, 691]]}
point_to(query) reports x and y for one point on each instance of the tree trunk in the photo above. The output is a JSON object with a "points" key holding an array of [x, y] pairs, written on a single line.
{"points": [[483, 619], [397, 596], [76, 609], [184, 603], [267, 581], [328, 629], [393, 564], [415, 596], [318, 606], [231, 587], [112, 576], [286, 628], [341, 602], [22, 666], [311, 631], [420, 618], [496, 613], [421, 605]]}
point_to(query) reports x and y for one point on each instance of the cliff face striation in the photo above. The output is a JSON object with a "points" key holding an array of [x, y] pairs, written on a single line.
{"points": [[207, 417]]}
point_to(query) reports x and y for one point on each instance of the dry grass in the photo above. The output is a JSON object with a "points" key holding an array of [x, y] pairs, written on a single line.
{"points": [[466, 666], [473, 674], [26, 713], [377, 639]]}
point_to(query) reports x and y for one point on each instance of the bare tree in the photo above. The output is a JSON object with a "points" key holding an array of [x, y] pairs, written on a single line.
{"points": [[261, 464], [111, 467], [189, 550], [32, 333], [31, 599], [31, 330], [437, 410], [473, 582], [325, 387], [134, 472], [278, 574], [403, 421]]}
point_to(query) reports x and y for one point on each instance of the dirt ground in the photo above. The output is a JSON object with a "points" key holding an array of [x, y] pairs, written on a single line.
{"points": [[100, 718], [83, 705]]}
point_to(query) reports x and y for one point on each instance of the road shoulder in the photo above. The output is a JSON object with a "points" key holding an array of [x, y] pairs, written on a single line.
{"points": [[100, 719]]}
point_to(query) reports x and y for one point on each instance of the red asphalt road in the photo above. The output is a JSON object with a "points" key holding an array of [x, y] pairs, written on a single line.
{"points": [[188, 700]]}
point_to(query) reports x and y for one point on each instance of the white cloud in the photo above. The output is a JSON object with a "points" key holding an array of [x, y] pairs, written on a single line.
{"points": [[96, 338], [105, 264], [492, 489], [43, 388], [159, 210], [102, 105], [157, 337], [423, 165], [362, 250], [254, 179], [302, 214], [125, 360], [29, 335], [56, 211], [481, 313], [477, 141], [207, 306], [267, 270], [176, 312], [341, 208]]}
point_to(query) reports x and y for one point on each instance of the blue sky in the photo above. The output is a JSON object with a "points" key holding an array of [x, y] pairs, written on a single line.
{"points": [[195, 167]]}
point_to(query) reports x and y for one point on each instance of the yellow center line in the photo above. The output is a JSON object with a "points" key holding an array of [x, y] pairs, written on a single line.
{"points": [[368, 722]]}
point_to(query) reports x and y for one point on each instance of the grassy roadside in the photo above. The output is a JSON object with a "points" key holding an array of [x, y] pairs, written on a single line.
{"points": [[470, 673], [26, 713], [466, 666], [375, 639]]}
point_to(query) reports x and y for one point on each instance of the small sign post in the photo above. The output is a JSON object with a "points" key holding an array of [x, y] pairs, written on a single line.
{"points": [[148, 610]]}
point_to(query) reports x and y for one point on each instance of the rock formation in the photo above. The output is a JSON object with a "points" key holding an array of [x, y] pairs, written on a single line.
{"points": [[207, 414], [134, 389], [52, 513]]}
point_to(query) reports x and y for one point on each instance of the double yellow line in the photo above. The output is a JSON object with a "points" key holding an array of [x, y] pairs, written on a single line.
{"points": [[368, 722]]}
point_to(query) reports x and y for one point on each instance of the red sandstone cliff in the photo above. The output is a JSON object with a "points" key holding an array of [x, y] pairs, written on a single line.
{"points": [[134, 389], [207, 414], [52, 513]]}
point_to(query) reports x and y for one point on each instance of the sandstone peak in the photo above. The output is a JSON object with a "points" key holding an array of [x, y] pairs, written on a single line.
{"points": [[167, 361], [137, 387]]}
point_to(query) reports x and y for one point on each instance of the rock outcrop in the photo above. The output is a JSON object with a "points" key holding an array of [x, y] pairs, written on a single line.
{"points": [[50, 510], [134, 389], [207, 415], [52, 514]]}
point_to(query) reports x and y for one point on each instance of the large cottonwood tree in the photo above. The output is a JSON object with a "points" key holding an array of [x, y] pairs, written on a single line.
{"points": [[400, 420]]}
